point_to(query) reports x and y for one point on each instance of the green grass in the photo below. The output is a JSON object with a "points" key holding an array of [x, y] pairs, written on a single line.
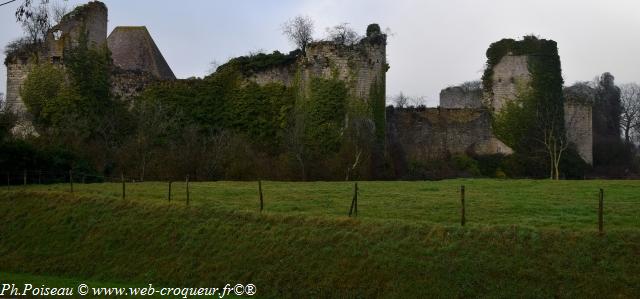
{"points": [[531, 203], [524, 238]]}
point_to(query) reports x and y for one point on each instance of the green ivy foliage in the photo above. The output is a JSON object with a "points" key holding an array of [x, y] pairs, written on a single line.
{"points": [[326, 109], [529, 45], [250, 64], [40, 92], [262, 112], [378, 109], [224, 101], [539, 104], [72, 107]]}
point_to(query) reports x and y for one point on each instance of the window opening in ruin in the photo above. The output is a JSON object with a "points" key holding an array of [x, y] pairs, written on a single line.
{"points": [[57, 34], [55, 59]]}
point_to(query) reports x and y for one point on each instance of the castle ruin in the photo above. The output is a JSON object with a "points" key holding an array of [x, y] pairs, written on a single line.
{"points": [[137, 60], [461, 125], [512, 74]]}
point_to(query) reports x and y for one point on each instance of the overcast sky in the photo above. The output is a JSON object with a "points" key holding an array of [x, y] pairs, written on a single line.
{"points": [[434, 43]]}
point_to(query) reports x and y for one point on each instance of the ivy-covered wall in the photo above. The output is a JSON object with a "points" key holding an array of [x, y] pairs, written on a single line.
{"points": [[523, 86]]}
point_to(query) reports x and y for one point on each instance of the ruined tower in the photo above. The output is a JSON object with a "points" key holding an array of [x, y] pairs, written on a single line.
{"points": [[90, 18], [133, 49], [137, 60], [509, 74], [578, 109]]}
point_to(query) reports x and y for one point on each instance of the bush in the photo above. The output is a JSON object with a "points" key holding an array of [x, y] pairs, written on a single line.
{"points": [[466, 166]]}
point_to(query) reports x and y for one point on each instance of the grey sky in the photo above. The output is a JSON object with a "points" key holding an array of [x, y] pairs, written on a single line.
{"points": [[434, 43]]}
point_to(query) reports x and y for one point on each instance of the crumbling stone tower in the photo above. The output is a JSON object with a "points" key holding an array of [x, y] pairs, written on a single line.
{"points": [[508, 75], [137, 60], [90, 18]]}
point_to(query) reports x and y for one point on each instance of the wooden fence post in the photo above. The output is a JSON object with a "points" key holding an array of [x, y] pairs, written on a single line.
{"points": [[187, 189], [600, 212], [123, 186], [354, 201], [356, 195], [8, 182], [169, 194], [71, 180], [25, 177], [40, 177], [261, 197], [462, 216]]}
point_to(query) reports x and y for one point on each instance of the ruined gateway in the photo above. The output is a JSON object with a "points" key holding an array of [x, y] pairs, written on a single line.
{"points": [[460, 125]]}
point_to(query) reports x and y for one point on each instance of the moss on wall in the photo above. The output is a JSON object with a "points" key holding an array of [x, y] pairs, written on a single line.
{"points": [[377, 100]]}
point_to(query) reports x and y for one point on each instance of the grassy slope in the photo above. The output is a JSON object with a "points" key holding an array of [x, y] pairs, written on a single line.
{"points": [[20, 279], [145, 240], [532, 203]]}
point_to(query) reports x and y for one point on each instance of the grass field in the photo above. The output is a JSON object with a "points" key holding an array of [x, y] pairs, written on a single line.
{"points": [[530, 203], [523, 238]]}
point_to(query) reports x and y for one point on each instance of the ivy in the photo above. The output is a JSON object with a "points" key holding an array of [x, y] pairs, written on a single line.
{"points": [[377, 101], [250, 64], [529, 45], [326, 109], [538, 105]]}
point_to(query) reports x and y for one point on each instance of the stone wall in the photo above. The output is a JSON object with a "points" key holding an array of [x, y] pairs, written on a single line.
{"points": [[438, 133], [284, 74], [360, 66], [509, 75], [127, 84], [17, 72], [460, 97], [578, 108], [578, 123], [91, 17]]}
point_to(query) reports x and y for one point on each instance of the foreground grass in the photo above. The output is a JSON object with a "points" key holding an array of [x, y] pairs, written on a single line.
{"points": [[294, 253], [21, 279]]}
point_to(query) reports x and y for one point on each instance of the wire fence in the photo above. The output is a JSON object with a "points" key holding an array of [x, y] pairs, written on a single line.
{"points": [[25, 178]]}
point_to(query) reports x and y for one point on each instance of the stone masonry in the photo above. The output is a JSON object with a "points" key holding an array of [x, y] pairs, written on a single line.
{"points": [[511, 75], [361, 65], [138, 62]]}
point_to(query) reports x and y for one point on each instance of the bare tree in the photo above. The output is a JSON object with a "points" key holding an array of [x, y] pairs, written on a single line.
{"points": [[401, 100], [153, 120], [37, 25], [58, 10], [471, 86], [343, 34], [359, 135], [630, 117], [418, 101], [554, 138], [299, 31]]}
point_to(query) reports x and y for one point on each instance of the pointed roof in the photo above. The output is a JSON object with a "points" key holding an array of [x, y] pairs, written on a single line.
{"points": [[133, 48]]}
